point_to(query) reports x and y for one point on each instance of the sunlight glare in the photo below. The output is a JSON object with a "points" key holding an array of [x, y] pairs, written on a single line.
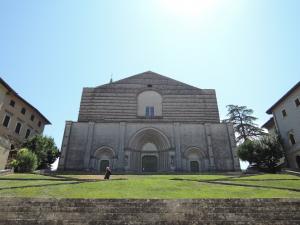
{"points": [[190, 8]]}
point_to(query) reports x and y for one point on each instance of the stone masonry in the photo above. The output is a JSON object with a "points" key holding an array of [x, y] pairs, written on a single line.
{"points": [[32, 211], [148, 123]]}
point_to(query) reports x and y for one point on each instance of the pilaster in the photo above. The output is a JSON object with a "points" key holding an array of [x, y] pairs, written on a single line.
{"points": [[209, 147], [65, 146], [88, 147], [232, 142], [176, 127], [120, 154]]}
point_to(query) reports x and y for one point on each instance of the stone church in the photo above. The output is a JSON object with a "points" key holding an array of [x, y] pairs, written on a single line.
{"points": [[148, 123]]}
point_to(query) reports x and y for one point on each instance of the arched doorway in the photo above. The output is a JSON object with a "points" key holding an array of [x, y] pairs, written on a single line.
{"points": [[149, 151], [194, 165], [149, 163], [298, 160], [196, 160], [103, 165], [102, 158]]}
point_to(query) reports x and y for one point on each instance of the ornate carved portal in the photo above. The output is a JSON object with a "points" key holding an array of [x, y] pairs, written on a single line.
{"points": [[149, 150]]}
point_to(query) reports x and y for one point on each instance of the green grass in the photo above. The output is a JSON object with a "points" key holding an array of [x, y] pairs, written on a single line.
{"points": [[150, 186]]}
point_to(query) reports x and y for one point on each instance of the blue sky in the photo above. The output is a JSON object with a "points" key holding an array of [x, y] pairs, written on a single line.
{"points": [[248, 50]]}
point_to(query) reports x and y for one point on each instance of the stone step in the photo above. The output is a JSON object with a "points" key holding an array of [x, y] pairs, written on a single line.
{"points": [[200, 204], [142, 211], [150, 216], [103, 222], [109, 209]]}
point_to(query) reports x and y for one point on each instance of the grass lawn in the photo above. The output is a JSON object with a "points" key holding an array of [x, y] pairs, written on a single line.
{"points": [[150, 186]]}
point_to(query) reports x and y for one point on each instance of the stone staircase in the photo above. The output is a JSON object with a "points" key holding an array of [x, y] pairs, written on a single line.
{"points": [[32, 211]]}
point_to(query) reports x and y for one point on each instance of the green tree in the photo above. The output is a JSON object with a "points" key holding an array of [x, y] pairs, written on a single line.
{"points": [[246, 151], [264, 152], [45, 149], [243, 123], [26, 161], [270, 152]]}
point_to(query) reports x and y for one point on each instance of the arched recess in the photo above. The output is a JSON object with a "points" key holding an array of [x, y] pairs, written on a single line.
{"points": [[147, 137], [149, 99], [148, 150], [102, 157], [195, 157]]}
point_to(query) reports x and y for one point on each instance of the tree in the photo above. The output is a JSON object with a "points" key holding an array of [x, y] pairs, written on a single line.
{"points": [[270, 151], [243, 123], [45, 149], [26, 161], [246, 151], [264, 152]]}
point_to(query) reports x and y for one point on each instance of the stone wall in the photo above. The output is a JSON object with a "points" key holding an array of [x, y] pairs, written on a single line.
{"points": [[118, 101], [177, 145], [29, 211], [4, 152]]}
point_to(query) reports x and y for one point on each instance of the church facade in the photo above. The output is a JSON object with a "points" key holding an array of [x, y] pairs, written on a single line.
{"points": [[148, 123]]}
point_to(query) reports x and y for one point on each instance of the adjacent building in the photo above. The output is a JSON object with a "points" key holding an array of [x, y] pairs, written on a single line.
{"points": [[286, 120], [19, 121], [148, 123]]}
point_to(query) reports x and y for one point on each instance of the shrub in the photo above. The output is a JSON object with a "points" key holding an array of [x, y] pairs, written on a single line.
{"points": [[45, 149], [26, 161]]}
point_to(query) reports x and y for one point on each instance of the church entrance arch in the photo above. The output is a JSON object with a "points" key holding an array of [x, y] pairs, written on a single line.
{"points": [[149, 163], [102, 158], [196, 159], [149, 150]]}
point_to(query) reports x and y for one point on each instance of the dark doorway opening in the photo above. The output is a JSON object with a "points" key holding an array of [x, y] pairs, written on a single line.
{"points": [[149, 163], [103, 165], [298, 160], [194, 166]]}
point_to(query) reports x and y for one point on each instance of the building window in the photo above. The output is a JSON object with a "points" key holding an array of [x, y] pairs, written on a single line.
{"points": [[147, 99], [149, 111], [39, 123], [18, 127], [292, 139], [284, 114], [149, 85], [12, 103], [6, 120], [27, 133], [32, 118], [23, 111], [297, 102]]}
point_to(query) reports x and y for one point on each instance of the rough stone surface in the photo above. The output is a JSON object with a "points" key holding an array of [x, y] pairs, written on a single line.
{"points": [[184, 134], [15, 211]]}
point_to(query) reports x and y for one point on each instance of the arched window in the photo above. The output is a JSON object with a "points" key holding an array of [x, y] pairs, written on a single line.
{"points": [[149, 104]]}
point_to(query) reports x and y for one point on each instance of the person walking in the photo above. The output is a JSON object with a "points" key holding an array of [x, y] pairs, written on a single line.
{"points": [[107, 173]]}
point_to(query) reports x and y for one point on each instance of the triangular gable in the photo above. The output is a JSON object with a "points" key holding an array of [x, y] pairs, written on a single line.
{"points": [[149, 76]]}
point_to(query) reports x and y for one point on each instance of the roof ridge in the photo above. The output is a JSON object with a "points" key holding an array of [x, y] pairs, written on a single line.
{"points": [[10, 89]]}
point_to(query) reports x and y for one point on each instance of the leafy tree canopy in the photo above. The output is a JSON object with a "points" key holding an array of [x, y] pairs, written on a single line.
{"points": [[45, 149], [243, 123], [264, 152]]}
